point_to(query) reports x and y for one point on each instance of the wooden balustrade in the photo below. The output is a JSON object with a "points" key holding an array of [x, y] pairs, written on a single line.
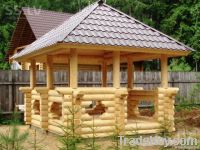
{"points": [[121, 106]]}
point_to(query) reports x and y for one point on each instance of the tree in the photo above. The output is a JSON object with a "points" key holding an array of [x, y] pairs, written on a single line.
{"points": [[179, 65]]}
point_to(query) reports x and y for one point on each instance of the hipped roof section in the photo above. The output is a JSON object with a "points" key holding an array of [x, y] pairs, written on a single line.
{"points": [[100, 24]]}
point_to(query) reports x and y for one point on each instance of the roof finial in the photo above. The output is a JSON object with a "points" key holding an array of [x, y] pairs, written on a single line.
{"points": [[101, 2]]}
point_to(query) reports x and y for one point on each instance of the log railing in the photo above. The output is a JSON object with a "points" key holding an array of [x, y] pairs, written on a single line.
{"points": [[120, 105]]}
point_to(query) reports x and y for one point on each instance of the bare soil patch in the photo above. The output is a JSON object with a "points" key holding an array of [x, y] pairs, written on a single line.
{"points": [[187, 122]]}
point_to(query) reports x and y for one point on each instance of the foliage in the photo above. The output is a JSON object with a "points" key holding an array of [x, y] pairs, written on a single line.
{"points": [[115, 138], [195, 92], [9, 121], [116, 142], [165, 132], [71, 137], [13, 139], [179, 65], [91, 143], [179, 19], [193, 101], [135, 135], [151, 65], [36, 143]]}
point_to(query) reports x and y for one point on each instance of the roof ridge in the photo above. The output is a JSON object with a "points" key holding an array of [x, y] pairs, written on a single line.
{"points": [[46, 10], [149, 27]]}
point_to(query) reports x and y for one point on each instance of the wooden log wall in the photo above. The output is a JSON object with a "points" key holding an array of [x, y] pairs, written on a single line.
{"points": [[41, 119], [104, 124], [75, 103], [166, 111], [61, 95], [27, 104]]}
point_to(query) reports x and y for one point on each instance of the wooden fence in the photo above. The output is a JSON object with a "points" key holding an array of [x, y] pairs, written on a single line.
{"points": [[10, 81]]}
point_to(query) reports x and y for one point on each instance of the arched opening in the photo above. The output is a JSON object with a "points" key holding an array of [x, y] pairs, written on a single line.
{"points": [[96, 108], [36, 107], [56, 110]]}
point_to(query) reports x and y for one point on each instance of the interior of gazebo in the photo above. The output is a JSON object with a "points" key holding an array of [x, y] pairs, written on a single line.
{"points": [[108, 106]]}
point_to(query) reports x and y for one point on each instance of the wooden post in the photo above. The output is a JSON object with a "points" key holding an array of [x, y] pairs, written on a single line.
{"points": [[130, 74], [49, 71], [104, 74], [164, 71], [33, 74], [73, 69], [116, 69]]}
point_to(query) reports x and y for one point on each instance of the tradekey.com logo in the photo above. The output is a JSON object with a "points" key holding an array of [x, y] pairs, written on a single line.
{"points": [[159, 141]]}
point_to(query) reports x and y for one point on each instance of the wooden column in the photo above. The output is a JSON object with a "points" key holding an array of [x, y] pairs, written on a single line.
{"points": [[33, 74], [104, 74], [73, 69], [49, 71], [116, 69], [164, 71], [130, 73]]}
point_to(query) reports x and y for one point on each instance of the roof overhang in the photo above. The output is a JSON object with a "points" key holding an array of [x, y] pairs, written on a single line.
{"points": [[85, 47]]}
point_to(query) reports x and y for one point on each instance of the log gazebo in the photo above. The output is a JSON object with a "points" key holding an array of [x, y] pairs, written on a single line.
{"points": [[99, 35]]}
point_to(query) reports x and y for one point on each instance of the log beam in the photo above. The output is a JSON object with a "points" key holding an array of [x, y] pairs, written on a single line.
{"points": [[164, 71], [33, 74], [73, 69], [116, 69], [104, 74], [130, 73], [49, 70]]}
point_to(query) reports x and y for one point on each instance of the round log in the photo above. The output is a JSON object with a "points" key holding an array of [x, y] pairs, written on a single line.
{"points": [[98, 123], [35, 123], [36, 117], [44, 119], [55, 129], [36, 97], [55, 122], [44, 113], [108, 103], [143, 131], [97, 90], [110, 110], [142, 126], [100, 97], [97, 135], [55, 99], [86, 117], [67, 98], [98, 130], [107, 116]]}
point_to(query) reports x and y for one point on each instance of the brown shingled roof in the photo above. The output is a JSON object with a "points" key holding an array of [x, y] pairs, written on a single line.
{"points": [[32, 24], [100, 24], [42, 21]]}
